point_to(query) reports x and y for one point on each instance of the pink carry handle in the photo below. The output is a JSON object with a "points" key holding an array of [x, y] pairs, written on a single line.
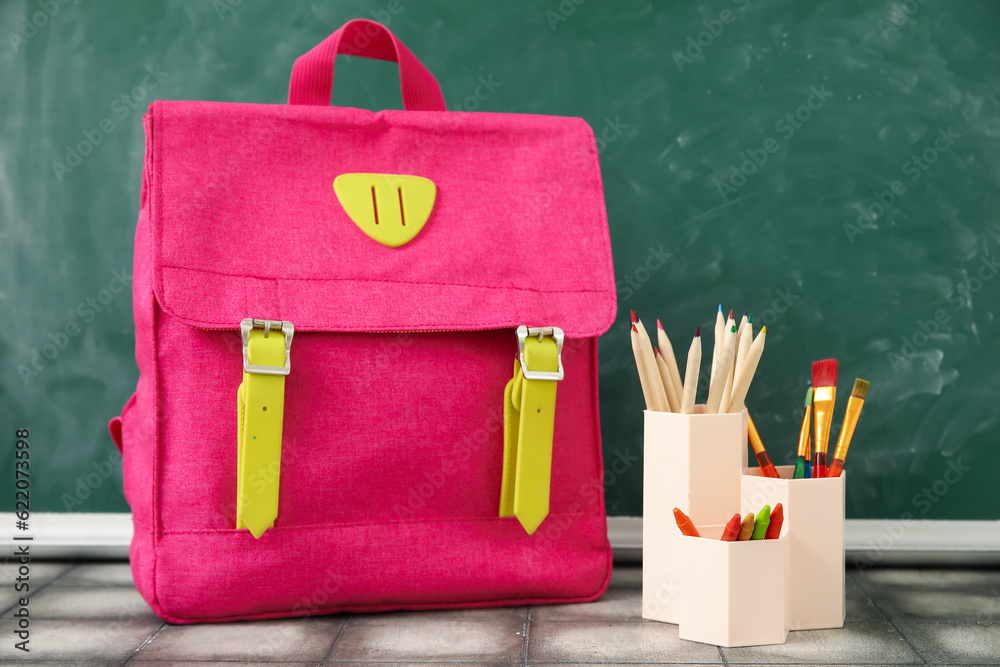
{"points": [[312, 74]]}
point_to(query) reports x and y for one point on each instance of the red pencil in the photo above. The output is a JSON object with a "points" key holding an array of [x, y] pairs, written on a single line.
{"points": [[732, 530], [777, 518], [684, 523]]}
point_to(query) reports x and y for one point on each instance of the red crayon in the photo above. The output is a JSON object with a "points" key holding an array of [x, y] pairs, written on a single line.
{"points": [[777, 518], [684, 523], [732, 530]]}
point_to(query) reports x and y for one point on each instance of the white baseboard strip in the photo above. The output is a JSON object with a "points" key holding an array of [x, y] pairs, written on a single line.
{"points": [[869, 542], [872, 542], [65, 536]]}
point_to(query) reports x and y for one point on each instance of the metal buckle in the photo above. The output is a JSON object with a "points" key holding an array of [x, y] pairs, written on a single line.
{"points": [[522, 335], [286, 328]]}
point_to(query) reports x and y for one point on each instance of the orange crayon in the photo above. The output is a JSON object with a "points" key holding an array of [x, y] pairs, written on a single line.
{"points": [[684, 523], [746, 528], [777, 518], [732, 530]]}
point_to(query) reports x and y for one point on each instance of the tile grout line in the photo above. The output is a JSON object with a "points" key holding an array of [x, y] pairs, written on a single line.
{"points": [[722, 655], [889, 620], [333, 646], [42, 587], [524, 639], [144, 644]]}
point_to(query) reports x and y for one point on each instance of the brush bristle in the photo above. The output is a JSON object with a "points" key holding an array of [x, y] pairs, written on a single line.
{"points": [[825, 373], [860, 388], [697, 332], [809, 396]]}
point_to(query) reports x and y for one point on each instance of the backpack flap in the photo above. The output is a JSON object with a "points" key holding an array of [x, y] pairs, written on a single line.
{"points": [[246, 221]]}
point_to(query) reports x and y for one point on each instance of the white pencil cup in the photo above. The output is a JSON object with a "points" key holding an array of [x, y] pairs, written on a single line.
{"points": [[814, 521], [694, 462], [734, 593]]}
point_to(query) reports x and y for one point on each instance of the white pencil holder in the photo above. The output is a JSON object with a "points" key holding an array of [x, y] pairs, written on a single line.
{"points": [[735, 591], [693, 462], [814, 522]]}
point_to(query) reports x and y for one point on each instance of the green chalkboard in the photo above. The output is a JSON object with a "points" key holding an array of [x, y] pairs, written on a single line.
{"points": [[832, 167]]}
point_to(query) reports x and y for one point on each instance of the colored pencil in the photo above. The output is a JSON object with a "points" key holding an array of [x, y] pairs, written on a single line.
{"points": [[656, 389], [640, 366], [725, 363], [691, 373], [720, 333], [673, 400], [667, 352], [744, 338], [746, 373], [727, 389], [743, 324]]}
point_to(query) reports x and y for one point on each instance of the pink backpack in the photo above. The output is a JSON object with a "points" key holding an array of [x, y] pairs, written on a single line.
{"points": [[396, 357]]}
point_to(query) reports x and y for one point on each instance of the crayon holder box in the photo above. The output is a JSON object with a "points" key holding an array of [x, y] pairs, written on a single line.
{"points": [[694, 462], [814, 528], [734, 592]]}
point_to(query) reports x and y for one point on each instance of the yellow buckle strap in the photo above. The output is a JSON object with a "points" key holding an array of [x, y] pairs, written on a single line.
{"points": [[261, 408], [529, 418]]}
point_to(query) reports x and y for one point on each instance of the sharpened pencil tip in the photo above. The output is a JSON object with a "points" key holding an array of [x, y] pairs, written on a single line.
{"points": [[763, 329], [720, 307], [633, 315], [658, 325], [697, 332], [730, 314], [749, 318], [656, 351]]}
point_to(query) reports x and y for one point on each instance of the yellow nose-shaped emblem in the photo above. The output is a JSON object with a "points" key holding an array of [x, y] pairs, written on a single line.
{"points": [[390, 208]]}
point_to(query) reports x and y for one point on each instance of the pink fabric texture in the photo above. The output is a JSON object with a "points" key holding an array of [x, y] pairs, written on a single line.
{"points": [[392, 445]]}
